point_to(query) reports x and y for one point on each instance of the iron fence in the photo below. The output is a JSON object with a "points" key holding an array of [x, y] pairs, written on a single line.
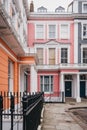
{"points": [[58, 97], [20, 111]]}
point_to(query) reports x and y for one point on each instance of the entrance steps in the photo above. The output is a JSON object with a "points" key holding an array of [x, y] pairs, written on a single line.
{"points": [[84, 100], [70, 100], [73, 100]]}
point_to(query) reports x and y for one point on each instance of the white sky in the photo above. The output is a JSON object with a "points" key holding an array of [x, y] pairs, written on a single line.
{"points": [[51, 5]]}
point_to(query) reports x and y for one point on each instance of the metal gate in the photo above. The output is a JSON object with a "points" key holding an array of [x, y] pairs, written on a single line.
{"points": [[20, 111]]}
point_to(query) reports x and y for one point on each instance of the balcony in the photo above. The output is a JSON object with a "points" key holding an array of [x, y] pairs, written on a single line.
{"points": [[62, 66], [8, 32]]}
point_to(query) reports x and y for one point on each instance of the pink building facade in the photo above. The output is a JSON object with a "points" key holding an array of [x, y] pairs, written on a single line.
{"points": [[51, 36]]}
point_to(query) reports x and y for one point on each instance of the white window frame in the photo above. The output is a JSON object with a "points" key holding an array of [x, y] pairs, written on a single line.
{"points": [[44, 83], [68, 49], [68, 35], [82, 30], [43, 52], [83, 46], [83, 7], [43, 47], [55, 31], [36, 37], [56, 53]]}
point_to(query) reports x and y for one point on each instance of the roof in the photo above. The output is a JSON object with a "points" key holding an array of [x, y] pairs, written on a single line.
{"points": [[42, 8], [60, 8]]}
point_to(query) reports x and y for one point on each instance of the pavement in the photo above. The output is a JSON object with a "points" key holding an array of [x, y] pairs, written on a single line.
{"points": [[57, 116]]}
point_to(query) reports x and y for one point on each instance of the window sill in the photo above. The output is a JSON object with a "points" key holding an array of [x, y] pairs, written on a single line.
{"points": [[48, 92], [84, 38]]}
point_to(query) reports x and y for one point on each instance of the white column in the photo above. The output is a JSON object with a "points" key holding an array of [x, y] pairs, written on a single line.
{"points": [[62, 84], [78, 99], [76, 41], [74, 85], [21, 79], [33, 79]]}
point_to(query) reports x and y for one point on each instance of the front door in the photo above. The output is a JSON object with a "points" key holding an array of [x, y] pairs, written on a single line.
{"points": [[82, 88], [68, 90]]}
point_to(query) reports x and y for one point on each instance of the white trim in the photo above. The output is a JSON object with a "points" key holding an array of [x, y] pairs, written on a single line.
{"points": [[47, 55], [51, 22], [56, 55], [82, 72], [76, 41], [81, 21], [7, 51], [44, 74], [69, 72], [78, 99], [44, 55], [73, 73]]}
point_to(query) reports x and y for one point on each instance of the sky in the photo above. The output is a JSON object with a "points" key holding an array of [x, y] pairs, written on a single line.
{"points": [[51, 5]]}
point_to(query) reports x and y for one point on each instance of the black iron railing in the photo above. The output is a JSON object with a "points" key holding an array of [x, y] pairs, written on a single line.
{"points": [[20, 111]]}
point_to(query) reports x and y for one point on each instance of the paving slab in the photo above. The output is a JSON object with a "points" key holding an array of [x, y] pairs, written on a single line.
{"points": [[57, 117]]}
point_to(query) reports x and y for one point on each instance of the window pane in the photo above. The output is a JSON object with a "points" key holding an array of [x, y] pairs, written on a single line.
{"points": [[64, 55], [85, 7], [39, 31], [40, 55], [52, 31], [64, 31], [85, 31], [84, 55], [52, 56], [47, 85]]}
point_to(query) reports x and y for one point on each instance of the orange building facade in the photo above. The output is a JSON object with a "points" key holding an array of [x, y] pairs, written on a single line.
{"points": [[16, 63], [11, 67]]}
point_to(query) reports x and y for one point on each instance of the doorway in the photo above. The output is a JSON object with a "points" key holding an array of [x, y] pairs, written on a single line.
{"points": [[68, 88]]}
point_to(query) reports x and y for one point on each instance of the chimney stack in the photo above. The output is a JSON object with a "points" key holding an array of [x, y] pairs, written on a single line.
{"points": [[31, 7]]}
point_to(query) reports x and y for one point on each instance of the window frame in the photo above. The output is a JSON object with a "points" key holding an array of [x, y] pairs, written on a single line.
{"points": [[83, 3], [82, 55], [36, 35], [42, 54], [68, 54], [43, 84], [55, 31], [54, 56], [64, 57], [83, 31], [68, 33]]}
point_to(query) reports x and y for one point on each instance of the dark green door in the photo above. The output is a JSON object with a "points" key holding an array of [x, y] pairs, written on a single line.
{"points": [[68, 90], [82, 88]]}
